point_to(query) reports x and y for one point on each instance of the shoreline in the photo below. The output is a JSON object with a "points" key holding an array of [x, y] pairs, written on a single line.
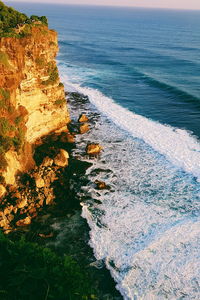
{"points": [[52, 227]]}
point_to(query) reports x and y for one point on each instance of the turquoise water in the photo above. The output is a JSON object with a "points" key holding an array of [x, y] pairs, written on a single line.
{"points": [[140, 69]]}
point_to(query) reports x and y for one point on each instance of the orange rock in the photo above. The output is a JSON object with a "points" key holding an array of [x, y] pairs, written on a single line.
{"points": [[83, 118], [61, 159], [93, 149], [2, 190], [24, 222], [101, 185], [47, 162], [84, 128], [21, 203]]}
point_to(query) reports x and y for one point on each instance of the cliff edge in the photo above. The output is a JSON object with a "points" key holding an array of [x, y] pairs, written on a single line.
{"points": [[32, 98]]}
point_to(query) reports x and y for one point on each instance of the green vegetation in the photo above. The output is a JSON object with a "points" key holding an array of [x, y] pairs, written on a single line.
{"points": [[19, 120], [53, 74], [4, 59], [61, 84], [10, 20], [34, 272], [5, 126], [60, 102], [11, 123], [40, 61]]}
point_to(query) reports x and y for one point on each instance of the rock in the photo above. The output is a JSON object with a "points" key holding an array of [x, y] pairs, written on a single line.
{"points": [[67, 138], [4, 223], [61, 159], [93, 149], [101, 185], [21, 203], [16, 195], [83, 118], [24, 222], [2, 190], [47, 162], [45, 236], [84, 128], [39, 181], [8, 210]]}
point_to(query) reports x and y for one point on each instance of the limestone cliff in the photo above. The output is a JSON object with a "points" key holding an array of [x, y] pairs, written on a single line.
{"points": [[32, 99]]}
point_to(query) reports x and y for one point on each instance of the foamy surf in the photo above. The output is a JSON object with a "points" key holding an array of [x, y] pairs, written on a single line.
{"points": [[146, 228], [177, 145]]}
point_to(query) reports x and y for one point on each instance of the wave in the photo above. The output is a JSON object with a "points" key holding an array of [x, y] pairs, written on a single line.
{"points": [[177, 145], [169, 88]]}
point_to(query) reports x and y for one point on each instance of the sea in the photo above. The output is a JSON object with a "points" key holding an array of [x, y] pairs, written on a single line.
{"points": [[140, 69]]}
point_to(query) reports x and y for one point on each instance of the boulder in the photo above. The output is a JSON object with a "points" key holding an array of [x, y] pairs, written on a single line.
{"points": [[67, 138], [101, 185], [93, 149], [47, 162], [21, 203], [2, 190], [61, 159], [39, 181], [84, 128], [24, 222], [83, 118]]}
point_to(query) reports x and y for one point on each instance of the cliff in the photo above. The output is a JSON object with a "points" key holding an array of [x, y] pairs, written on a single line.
{"points": [[32, 99]]}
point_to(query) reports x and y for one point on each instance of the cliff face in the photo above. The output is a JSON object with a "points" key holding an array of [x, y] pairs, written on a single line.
{"points": [[32, 99]]}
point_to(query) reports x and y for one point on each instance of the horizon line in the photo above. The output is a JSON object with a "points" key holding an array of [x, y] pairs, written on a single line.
{"points": [[103, 5]]}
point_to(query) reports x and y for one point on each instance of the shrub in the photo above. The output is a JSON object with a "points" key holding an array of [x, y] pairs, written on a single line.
{"points": [[4, 97], [11, 18], [40, 62], [60, 102], [61, 84], [53, 75], [3, 162], [5, 126], [4, 59], [19, 120], [33, 272]]}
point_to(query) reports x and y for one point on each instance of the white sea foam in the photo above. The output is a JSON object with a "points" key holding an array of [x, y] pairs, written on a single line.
{"points": [[146, 228], [177, 145]]}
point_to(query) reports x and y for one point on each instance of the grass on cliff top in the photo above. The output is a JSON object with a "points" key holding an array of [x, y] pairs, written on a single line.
{"points": [[29, 271], [11, 19]]}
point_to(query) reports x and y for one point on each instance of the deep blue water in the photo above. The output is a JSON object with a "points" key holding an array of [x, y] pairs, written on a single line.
{"points": [[146, 60], [140, 69]]}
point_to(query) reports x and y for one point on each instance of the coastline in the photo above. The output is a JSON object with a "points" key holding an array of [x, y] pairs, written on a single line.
{"points": [[59, 226]]}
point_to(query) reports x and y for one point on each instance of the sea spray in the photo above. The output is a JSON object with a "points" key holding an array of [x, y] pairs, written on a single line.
{"points": [[146, 227]]}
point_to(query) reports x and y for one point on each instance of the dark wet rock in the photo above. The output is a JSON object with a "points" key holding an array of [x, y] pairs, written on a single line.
{"points": [[77, 98]]}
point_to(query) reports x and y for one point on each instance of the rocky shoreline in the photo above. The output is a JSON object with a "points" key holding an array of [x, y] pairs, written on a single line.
{"points": [[45, 208]]}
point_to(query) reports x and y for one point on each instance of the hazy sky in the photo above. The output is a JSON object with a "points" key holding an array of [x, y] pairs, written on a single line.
{"points": [[182, 4]]}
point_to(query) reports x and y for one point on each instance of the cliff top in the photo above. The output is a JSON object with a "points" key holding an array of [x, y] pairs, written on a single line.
{"points": [[16, 24]]}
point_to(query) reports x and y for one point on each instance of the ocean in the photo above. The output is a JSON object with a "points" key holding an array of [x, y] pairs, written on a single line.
{"points": [[140, 69]]}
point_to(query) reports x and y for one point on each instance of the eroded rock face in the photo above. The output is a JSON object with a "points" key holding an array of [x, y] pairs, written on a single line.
{"points": [[30, 85]]}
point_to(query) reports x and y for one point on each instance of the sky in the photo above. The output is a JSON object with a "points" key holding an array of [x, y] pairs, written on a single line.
{"points": [[181, 4]]}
